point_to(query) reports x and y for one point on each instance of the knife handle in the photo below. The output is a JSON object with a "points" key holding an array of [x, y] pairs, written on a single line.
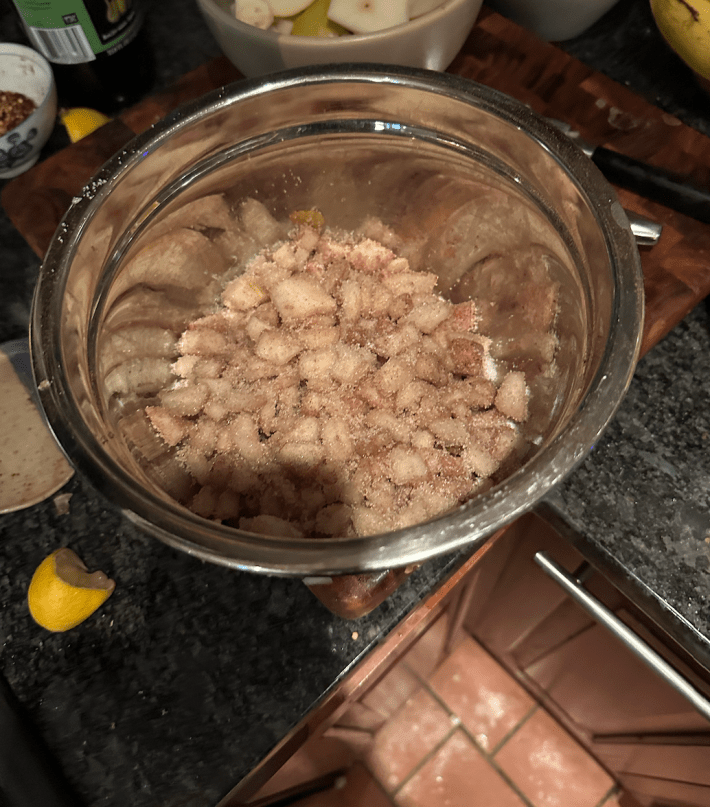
{"points": [[29, 775], [653, 183]]}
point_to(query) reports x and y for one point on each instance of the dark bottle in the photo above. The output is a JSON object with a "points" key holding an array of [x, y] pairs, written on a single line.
{"points": [[98, 49]]}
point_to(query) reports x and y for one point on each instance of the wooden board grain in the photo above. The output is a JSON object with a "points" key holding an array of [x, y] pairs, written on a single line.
{"points": [[512, 60], [501, 55], [36, 201]]}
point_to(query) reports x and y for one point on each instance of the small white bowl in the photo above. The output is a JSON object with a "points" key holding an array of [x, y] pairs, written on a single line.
{"points": [[25, 71], [430, 41], [553, 20]]}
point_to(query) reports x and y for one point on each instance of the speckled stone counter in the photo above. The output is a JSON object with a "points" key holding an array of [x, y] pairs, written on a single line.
{"points": [[191, 673], [194, 672], [640, 503]]}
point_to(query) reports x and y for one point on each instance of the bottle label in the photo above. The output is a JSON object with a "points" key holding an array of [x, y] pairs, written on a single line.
{"points": [[73, 32]]}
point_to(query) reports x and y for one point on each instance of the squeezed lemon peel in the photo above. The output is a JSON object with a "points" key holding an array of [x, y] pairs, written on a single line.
{"points": [[63, 593], [312, 218]]}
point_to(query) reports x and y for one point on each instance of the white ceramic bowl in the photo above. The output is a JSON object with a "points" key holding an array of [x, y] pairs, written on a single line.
{"points": [[431, 41], [553, 20], [25, 71]]}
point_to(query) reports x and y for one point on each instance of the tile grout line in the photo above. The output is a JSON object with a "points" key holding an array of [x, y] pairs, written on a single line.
{"points": [[506, 778], [423, 683], [380, 785], [487, 756], [523, 720], [456, 725], [433, 751], [614, 790]]}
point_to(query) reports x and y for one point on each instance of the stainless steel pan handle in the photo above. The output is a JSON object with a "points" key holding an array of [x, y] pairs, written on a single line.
{"points": [[622, 632], [646, 232]]}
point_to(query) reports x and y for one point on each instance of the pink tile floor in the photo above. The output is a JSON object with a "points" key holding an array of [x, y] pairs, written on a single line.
{"points": [[450, 730]]}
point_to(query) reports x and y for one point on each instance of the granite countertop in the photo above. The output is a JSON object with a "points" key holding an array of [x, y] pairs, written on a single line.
{"points": [[191, 673], [639, 505]]}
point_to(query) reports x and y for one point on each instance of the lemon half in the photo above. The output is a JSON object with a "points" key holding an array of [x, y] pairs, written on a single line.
{"points": [[63, 593], [81, 121], [313, 21]]}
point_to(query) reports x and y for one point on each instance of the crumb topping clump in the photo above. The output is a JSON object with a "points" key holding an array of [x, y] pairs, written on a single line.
{"points": [[334, 392]]}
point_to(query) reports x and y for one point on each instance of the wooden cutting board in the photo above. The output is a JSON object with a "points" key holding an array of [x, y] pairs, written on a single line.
{"points": [[504, 56]]}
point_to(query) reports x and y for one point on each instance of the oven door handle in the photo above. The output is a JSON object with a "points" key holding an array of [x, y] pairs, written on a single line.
{"points": [[622, 632]]}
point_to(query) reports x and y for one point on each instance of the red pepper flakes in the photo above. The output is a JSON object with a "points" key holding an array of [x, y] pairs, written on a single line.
{"points": [[14, 108]]}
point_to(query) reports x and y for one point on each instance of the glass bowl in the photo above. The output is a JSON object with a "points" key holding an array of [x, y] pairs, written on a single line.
{"points": [[461, 173]]}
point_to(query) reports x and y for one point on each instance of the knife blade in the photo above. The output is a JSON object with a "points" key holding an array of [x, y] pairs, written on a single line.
{"points": [[648, 181]]}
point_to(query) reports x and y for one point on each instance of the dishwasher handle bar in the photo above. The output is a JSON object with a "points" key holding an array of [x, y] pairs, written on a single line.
{"points": [[622, 632]]}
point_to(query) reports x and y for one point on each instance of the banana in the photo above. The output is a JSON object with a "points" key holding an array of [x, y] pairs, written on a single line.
{"points": [[366, 16], [685, 25]]}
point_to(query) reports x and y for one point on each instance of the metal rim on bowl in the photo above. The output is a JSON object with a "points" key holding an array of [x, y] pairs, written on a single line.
{"points": [[469, 524]]}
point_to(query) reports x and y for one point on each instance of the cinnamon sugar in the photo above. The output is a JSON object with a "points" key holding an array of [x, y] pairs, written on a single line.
{"points": [[335, 392]]}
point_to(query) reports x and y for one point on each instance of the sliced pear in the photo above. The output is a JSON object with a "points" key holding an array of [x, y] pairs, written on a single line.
{"points": [[366, 16], [287, 8], [283, 26], [314, 21], [254, 12]]}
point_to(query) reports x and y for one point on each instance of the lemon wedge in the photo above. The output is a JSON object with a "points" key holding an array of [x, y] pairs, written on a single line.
{"points": [[313, 218], [313, 21], [63, 593], [81, 121]]}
